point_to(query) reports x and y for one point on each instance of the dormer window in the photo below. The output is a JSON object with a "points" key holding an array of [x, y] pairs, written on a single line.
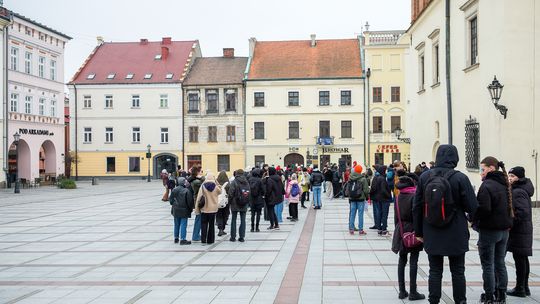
{"points": [[169, 76], [157, 57], [111, 76], [129, 76], [91, 76], [148, 76]]}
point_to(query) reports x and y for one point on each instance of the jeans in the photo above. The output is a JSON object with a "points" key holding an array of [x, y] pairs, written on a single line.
{"points": [[271, 212], [208, 229], [376, 216], [380, 211], [457, 268], [180, 227], [492, 250], [242, 230], [522, 270], [317, 196], [413, 270], [197, 228], [354, 208], [278, 208]]}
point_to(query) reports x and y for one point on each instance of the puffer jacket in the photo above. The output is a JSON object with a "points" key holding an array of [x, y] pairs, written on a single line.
{"points": [[257, 190], [521, 235], [493, 212], [274, 188], [181, 200], [293, 199]]}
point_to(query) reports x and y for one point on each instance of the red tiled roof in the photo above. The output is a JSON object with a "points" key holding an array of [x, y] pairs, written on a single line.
{"points": [[337, 58], [123, 58]]}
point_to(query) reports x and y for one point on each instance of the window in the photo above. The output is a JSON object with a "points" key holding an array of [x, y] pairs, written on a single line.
{"points": [[91, 76], [212, 134], [231, 133], [230, 100], [395, 123], [259, 99], [324, 128], [28, 63], [377, 124], [436, 72], [395, 62], [53, 108], [294, 99], [41, 66], [28, 105], [395, 94], [473, 27], [163, 101], [377, 94], [53, 69], [472, 144], [135, 101], [109, 135], [169, 76], [111, 164], [379, 158], [14, 102], [212, 101], [111, 76], [87, 101], [259, 160], [345, 98], [164, 135], [130, 76], [324, 98], [14, 58], [346, 129], [396, 156], [259, 130], [108, 101], [41, 106], [134, 164], [193, 103], [136, 134], [294, 130], [223, 163], [87, 135], [193, 134], [421, 73], [194, 160], [148, 76], [157, 57]]}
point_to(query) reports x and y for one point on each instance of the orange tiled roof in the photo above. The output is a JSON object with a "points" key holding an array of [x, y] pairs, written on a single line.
{"points": [[337, 58]]}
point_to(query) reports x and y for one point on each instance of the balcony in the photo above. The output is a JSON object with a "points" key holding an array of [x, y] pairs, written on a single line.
{"points": [[325, 141]]}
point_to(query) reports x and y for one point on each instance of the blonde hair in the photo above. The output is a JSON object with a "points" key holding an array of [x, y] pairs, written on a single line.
{"points": [[294, 177]]}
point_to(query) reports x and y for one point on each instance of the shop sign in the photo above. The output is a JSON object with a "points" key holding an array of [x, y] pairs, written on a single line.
{"points": [[334, 150], [293, 149], [387, 149], [35, 132]]}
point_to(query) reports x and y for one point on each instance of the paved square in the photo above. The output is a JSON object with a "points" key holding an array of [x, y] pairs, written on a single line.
{"points": [[112, 243]]}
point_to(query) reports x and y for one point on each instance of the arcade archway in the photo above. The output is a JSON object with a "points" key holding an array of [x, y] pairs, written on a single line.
{"points": [[293, 158]]}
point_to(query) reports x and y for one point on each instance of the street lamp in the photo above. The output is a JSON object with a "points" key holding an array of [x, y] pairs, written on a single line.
{"points": [[495, 90], [398, 131], [16, 138], [148, 156]]}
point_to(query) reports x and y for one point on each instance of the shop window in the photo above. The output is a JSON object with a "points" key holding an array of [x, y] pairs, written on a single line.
{"points": [[111, 164]]}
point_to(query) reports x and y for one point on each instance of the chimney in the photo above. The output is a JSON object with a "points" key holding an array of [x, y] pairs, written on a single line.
{"points": [[100, 40], [228, 52], [313, 41], [144, 41], [252, 42], [164, 52], [166, 40]]}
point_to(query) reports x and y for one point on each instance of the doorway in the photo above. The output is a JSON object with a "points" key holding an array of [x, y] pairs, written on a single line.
{"points": [[293, 159], [164, 161]]}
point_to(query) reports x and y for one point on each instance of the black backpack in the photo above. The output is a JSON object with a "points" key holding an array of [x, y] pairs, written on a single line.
{"points": [[242, 194], [439, 205], [355, 190], [254, 186]]}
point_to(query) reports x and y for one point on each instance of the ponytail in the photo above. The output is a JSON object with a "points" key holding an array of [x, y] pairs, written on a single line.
{"points": [[508, 189]]}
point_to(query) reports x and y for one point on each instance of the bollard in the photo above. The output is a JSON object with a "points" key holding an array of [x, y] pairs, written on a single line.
{"points": [[94, 181]]}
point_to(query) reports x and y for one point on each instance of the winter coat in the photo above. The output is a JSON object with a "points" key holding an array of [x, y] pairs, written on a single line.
{"points": [[380, 191], [181, 201], [164, 179], [357, 177], [293, 199], [493, 212], [274, 188], [234, 191], [521, 234], [210, 190], [328, 175], [405, 203], [316, 179], [195, 184], [452, 239], [257, 190], [304, 181]]}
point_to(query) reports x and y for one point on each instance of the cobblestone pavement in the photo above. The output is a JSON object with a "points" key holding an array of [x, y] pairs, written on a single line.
{"points": [[112, 243]]}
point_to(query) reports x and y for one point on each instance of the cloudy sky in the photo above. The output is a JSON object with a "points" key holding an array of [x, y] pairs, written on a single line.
{"points": [[216, 23]]}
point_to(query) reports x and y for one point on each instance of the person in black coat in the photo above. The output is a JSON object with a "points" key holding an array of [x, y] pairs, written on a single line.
{"points": [[273, 195], [381, 197], [182, 205], [521, 235], [404, 218], [257, 198], [451, 240], [237, 207]]}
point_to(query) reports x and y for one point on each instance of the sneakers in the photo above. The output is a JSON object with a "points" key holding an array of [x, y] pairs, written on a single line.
{"points": [[384, 233], [270, 228], [304, 207], [276, 228], [362, 232], [373, 228], [351, 232], [257, 230], [252, 230], [289, 217], [221, 232], [415, 296], [184, 242], [176, 240]]}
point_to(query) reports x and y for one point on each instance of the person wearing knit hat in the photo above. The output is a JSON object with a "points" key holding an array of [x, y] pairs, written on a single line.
{"points": [[519, 172]]}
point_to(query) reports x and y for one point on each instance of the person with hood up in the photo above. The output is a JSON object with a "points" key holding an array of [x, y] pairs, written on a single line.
{"points": [[381, 198], [222, 216], [293, 191], [182, 205], [450, 238], [256, 198], [239, 198], [195, 181], [273, 196], [316, 180], [521, 235], [493, 219], [403, 218], [165, 180], [357, 190], [207, 205]]}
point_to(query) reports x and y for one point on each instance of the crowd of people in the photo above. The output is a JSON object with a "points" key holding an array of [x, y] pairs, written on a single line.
{"points": [[434, 206]]}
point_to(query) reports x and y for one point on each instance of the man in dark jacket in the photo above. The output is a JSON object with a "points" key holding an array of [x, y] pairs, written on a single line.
{"points": [[238, 203], [273, 195], [451, 240], [182, 205], [381, 197], [256, 198], [316, 180]]}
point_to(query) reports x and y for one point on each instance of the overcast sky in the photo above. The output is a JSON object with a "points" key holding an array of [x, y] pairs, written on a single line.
{"points": [[216, 23]]}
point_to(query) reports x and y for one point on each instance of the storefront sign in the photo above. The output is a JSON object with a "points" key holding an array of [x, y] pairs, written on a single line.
{"points": [[35, 132], [387, 149], [293, 149], [334, 150]]}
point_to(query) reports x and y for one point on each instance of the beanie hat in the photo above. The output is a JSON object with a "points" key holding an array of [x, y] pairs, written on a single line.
{"points": [[358, 169], [518, 171]]}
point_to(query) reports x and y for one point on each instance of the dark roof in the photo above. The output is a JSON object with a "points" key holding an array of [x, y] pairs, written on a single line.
{"points": [[41, 25], [217, 70]]}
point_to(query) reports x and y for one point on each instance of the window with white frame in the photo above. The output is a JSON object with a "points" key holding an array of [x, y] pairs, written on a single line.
{"points": [[53, 108], [14, 58], [87, 135], [109, 135], [211, 101], [14, 102], [28, 62], [53, 69], [87, 101], [473, 40], [163, 101], [164, 135], [135, 101], [230, 100], [134, 164], [136, 134], [231, 133], [258, 130], [41, 106], [470, 10], [28, 105], [421, 71], [41, 67], [108, 101]]}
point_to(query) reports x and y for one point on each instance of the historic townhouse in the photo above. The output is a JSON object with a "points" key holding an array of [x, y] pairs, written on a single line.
{"points": [[126, 99], [387, 103], [486, 39], [305, 102], [34, 101], [214, 132], [5, 19]]}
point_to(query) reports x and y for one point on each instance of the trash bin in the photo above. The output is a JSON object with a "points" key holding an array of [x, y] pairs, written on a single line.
{"points": [[94, 181]]}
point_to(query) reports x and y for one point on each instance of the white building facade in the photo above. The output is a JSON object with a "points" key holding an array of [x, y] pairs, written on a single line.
{"points": [[5, 19]]}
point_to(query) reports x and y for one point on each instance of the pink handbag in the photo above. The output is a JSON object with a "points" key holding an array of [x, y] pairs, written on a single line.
{"points": [[409, 238]]}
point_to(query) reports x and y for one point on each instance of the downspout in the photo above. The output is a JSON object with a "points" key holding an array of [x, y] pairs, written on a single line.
{"points": [[368, 161], [244, 116], [361, 40], [448, 78], [183, 130], [76, 135], [244, 85], [6, 108]]}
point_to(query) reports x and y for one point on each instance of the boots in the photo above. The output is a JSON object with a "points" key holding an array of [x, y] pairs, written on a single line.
{"points": [[221, 232], [487, 298], [500, 296], [252, 228], [415, 295], [517, 292], [403, 294]]}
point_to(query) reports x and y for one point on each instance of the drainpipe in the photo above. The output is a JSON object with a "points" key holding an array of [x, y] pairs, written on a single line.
{"points": [[183, 130], [366, 122], [76, 136], [6, 108], [448, 86]]}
